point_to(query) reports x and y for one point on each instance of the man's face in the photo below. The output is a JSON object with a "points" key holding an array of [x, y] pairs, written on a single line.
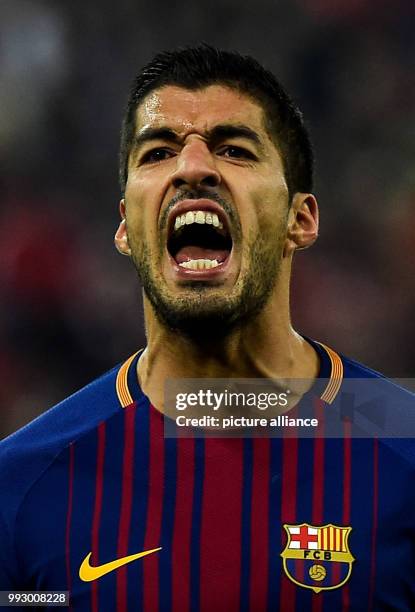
{"points": [[206, 206]]}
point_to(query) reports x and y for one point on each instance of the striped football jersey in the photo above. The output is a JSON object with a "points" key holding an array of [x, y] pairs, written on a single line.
{"points": [[95, 500]]}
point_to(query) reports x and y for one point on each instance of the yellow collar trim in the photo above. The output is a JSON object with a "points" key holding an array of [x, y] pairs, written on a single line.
{"points": [[121, 384], [336, 375]]}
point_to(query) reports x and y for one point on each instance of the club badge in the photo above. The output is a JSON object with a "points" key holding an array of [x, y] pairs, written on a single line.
{"points": [[317, 558]]}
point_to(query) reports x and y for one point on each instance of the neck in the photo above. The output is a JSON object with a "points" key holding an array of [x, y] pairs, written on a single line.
{"points": [[265, 347]]}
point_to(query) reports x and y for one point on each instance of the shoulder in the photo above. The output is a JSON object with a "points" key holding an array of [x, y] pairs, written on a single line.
{"points": [[27, 453], [382, 407], [353, 370], [373, 406], [346, 370]]}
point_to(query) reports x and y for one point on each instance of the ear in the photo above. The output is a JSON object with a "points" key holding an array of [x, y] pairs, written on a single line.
{"points": [[121, 238], [302, 230]]}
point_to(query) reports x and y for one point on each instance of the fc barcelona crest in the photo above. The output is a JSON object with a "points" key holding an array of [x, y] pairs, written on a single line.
{"points": [[317, 558]]}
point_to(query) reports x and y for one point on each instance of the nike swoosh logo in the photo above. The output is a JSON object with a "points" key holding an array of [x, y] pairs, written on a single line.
{"points": [[88, 572]]}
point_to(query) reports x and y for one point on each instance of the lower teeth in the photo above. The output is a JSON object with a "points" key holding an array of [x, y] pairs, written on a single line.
{"points": [[199, 264]]}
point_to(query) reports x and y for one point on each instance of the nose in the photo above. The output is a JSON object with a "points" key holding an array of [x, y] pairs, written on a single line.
{"points": [[195, 167]]}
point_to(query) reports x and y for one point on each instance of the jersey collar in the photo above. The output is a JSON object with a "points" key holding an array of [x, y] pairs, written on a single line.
{"points": [[328, 384]]}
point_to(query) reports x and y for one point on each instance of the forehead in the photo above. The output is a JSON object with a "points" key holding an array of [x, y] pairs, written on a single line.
{"points": [[198, 110]]}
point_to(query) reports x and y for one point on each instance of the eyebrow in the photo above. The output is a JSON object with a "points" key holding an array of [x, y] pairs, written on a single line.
{"points": [[216, 134], [149, 133]]}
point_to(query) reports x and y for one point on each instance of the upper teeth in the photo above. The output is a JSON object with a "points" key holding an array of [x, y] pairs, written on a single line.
{"points": [[198, 216]]}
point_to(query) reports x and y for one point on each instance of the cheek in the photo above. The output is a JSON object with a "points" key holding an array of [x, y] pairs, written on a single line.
{"points": [[266, 212], [274, 205], [142, 208], [141, 232]]}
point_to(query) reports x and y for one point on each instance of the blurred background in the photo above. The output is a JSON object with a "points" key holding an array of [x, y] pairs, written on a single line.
{"points": [[70, 305]]}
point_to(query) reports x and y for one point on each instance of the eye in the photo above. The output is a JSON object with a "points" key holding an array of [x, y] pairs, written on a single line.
{"points": [[156, 155], [235, 152]]}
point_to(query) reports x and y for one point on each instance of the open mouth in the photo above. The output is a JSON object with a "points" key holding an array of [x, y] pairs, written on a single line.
{"points": [[199, 240]]}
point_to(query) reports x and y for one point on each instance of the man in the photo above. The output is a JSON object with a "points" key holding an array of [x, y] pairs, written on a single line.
{"points": [[216, 173]]}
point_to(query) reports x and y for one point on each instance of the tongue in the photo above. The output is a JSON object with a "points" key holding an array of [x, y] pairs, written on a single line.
{"points": [[194, 252]]}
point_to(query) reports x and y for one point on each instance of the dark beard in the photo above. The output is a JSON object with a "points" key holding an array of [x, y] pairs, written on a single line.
{"points": [[204, 317]]}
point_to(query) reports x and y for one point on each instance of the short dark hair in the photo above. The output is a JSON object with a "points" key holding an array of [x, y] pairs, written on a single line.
{"points": [[197, 67]]}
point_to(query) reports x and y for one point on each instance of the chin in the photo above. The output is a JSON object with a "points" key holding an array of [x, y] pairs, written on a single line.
{"points": [[206, 319], [198, 316]]}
